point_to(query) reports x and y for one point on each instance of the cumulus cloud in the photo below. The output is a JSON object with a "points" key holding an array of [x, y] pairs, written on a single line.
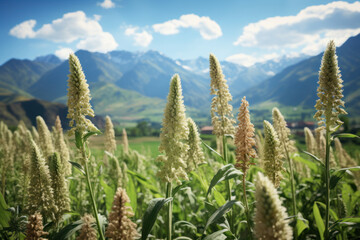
{"points": [[249, 60], [107, 4], [71, 27], [142, 38], [24, 29], [63, 53], [208, 28], [309, 30]]}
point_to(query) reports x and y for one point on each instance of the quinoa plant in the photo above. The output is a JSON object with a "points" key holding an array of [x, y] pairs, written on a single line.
{"points": [[329, 106], [79, 107]]}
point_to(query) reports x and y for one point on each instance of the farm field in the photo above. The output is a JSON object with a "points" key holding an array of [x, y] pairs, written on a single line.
{"points": [[237, 183]]}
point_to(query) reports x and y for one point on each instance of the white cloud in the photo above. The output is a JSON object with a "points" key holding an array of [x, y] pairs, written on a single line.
{"points": [[249, 60], [73, 26], [63, 53], [24, 29], [103, 42], [107, 4], [208, 28], [142, 39], [309, 30]]}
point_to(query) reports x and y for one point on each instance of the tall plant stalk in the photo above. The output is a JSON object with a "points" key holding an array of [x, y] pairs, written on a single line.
{"points": [[85, 159], [169, 218], [247, 211], [327, 183]]}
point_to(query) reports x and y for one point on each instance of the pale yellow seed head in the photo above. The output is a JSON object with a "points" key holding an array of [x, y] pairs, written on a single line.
{"points": [[273, 154], [244, 138], [87, 231], [329, 105], [173, 134], [271, 221], [45, 141], [221, 111], [195, 154], [120, 225], [110, 142], [78, 99], [283, 131]]}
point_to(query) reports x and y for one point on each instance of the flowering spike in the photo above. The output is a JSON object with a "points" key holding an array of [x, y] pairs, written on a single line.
{"points": [[244, 138], [59, 185], [329, 105], [310, 141], [78, 99], [273, 158], [195, 154], [45, 141], [87, 230], [61, 147], [120, 226], [271, 219], [173, 133], [221, 111], [35, 228], [283, 131], [125, 141], [41, 196], [110, 142]]}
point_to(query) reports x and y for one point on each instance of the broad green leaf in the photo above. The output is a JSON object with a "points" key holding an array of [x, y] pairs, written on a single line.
{"points": [[309, 163], [226, 172], [150, 215], [332, 213], [219, 198], [67, 231], [109, 194], [301, 225], [78, 166], [212, 150], [131, 191], [335, 177], [144, 181], [87, 135], [344, 135], [185, 224], [315, 158], [218, 235], [183, 238], [179, 187], [202, 181], [219, 213], [356, 168], [5, 215], [319, 221]]}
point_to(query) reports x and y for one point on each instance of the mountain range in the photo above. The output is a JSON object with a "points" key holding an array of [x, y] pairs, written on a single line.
{"points": [[133, 85]]}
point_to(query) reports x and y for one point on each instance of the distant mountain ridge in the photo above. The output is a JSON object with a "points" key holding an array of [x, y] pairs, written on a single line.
{"points": [[297, 84]]}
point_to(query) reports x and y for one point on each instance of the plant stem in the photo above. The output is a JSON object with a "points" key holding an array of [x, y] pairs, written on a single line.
{"points": [[327, 182], [227, 182], [169, 225], [91, 191], [247, 212], [292, 188]]}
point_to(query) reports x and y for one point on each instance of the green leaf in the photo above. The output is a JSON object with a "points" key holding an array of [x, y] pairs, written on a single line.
{"points": [[212, 150], [332, 213], [309, 163], [219, 213], [356, 168], [219, 198], [185, 224], [144, 181], [315, 158], [151, 214], [180, 187], [68, 230], [5, 215], [218, 235], [344, 135], [319, 221], [131, 191], [78, 166], [78, 140], [301, 225], [109, 194], [87, 135], [226, 172], [335, 177]]}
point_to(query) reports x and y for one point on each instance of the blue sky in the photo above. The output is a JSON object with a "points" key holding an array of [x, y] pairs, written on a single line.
{"points": [[240, 31]]}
